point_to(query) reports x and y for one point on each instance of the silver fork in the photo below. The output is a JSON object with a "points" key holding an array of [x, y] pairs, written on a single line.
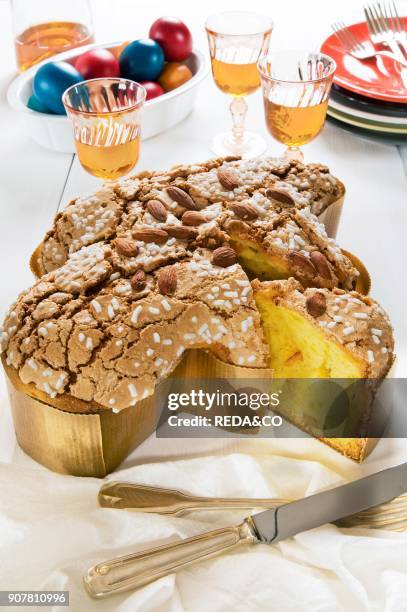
{"points": [[379, 29], [395, 24], [362, 50]]}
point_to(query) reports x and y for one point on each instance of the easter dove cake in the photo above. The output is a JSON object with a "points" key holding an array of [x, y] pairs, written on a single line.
{"points": [[227, 256]]}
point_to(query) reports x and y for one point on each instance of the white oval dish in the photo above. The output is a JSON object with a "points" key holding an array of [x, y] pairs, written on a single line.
{"points": [[55, 132]]}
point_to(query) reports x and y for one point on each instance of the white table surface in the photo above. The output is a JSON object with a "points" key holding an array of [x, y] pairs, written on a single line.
{"points": [[34, 182]]}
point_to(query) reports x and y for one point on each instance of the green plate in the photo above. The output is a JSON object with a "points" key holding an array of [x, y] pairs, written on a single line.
{"points": [[371, 124], [380, 137]]}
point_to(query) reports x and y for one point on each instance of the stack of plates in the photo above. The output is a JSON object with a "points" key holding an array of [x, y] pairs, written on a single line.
{"points": [[368, 97]]}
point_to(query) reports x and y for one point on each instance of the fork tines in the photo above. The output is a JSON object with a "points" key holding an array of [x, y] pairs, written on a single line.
{"points": [[346, 36], [382, 17]]}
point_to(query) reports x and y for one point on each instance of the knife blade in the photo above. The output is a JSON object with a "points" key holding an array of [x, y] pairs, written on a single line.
{"points": [[285, 521], [271, 526]]}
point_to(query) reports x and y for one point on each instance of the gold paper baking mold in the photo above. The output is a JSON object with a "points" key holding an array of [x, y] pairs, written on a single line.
{"points": [[73, 437], [202, 364], [34, 259], [331, 216], [79, 444], [364, 282], [95, 443]]}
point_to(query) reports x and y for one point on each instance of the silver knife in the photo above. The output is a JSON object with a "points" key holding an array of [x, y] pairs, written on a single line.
{"points": [[269, 527]]}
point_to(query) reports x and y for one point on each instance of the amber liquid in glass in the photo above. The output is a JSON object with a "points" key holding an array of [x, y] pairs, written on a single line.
{"points": [[236, 79], [46, 39], [109, 162], [294, 126]]}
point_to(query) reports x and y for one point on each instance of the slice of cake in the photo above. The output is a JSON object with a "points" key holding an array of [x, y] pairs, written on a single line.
{"points": [[322, 334], [275, 245]]}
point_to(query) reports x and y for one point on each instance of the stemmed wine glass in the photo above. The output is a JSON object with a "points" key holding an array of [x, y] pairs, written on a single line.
{"points": [[296, 86], [236, 40]]}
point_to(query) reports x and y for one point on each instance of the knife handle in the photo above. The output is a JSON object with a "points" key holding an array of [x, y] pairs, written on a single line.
{"points": [[136, 570]]}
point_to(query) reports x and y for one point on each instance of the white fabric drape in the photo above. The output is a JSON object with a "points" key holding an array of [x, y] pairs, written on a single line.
{"points": [[52, 530]]}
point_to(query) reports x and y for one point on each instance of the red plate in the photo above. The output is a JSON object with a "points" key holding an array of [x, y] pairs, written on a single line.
{"points": [[375, 78]]}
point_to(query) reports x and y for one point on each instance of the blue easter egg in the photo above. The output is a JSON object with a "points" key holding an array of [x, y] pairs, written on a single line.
{"points": [[50, 82], [35, 105], [141, 60]]}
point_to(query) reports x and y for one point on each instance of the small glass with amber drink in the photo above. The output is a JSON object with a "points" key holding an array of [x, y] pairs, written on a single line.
{"points": [[43, 28], [296, 88], [105, 116], [236, 41]]}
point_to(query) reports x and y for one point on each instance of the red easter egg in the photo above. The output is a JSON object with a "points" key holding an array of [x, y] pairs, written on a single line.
{"points": [[174, 37], [153, 89], [98, 63]]}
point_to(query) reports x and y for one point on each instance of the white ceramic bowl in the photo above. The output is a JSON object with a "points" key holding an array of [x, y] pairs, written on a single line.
{"points": [[160, 114]]}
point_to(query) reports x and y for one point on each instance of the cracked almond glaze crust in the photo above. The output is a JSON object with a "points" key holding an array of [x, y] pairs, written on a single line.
{"points": [[147, 268], [268, 203], [83, 330]]}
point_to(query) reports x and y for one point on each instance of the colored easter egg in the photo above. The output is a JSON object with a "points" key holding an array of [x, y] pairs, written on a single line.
{"points": [[174, 75], [117, 51], [174, 37], [97, 64], [153, 89], [35, 105], [50, 82], [141, 60]]}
